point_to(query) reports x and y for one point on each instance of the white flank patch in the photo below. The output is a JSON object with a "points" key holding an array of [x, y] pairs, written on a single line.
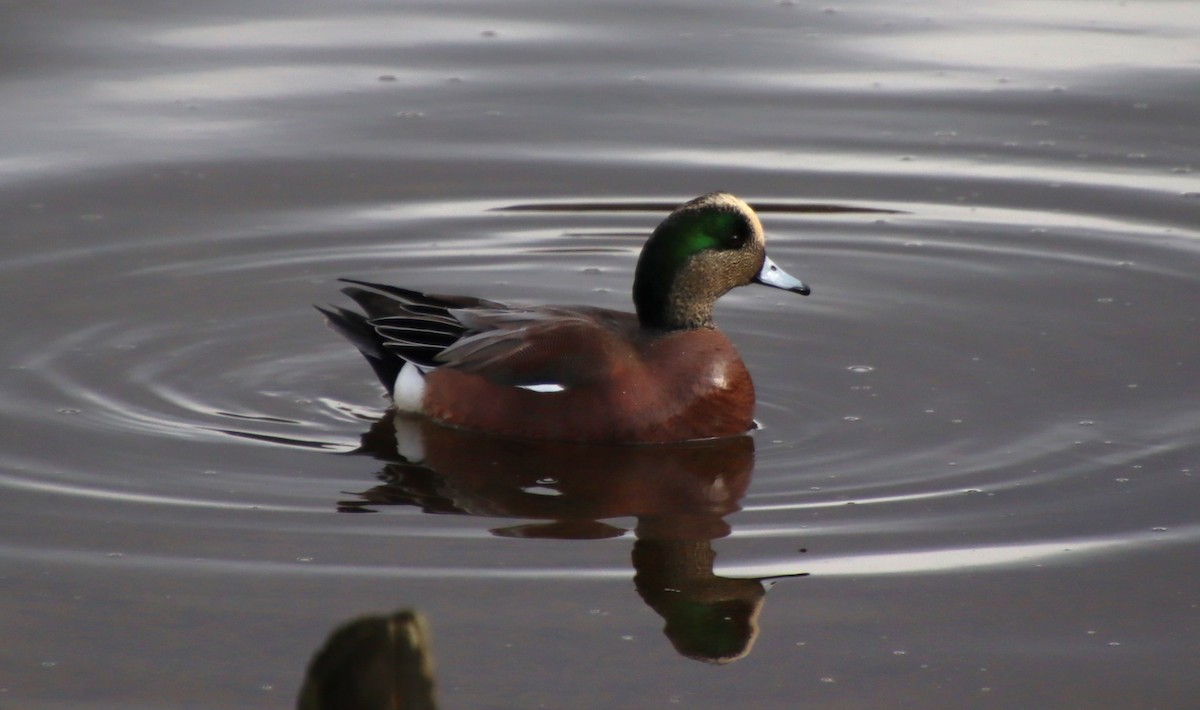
{"points": [[409, 390], [545, 387]]}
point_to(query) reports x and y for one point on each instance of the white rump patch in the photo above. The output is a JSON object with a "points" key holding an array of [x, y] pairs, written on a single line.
{"points": [[544, 387], [409, 390]]}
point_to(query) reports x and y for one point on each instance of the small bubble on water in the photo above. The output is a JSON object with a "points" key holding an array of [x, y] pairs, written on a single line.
{"points": [[547, 481], [304, 559], [1159, 529], [49, 664], [1087, 422], [851, 418], [1114, 643], [914, 244], [116, 554], [1105, 299], [899, 653], [67, 410], [827, 679], [1121, 480], [861, 368], [626, 638]]}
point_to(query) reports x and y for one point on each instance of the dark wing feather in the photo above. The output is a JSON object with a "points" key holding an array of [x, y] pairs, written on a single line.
{"points": [[569, 346], [513, 346]]}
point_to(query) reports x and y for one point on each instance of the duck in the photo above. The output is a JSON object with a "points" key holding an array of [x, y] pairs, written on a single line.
{"points": [[662, 374]]}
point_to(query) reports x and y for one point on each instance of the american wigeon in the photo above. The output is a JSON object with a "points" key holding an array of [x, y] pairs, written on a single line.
{"points": [[580, 373]]}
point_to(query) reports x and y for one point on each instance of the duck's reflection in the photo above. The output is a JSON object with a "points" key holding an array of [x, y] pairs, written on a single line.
{"points": [[680, 495]]}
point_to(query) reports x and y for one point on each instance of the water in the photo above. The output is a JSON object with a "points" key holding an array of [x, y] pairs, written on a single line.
{"points": [[976, 478]]}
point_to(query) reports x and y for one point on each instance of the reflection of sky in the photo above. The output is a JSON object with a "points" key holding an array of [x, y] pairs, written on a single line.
{"points": [[172, 91], [402, 27], [960, 559], [253, 82], [1049, 37], [1042, 51], [953, 560]]}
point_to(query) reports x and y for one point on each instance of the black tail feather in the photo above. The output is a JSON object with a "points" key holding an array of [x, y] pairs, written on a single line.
{"points": [[356, 328], [399, 325]]}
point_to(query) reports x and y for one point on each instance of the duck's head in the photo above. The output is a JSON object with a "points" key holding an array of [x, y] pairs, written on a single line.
{"points": [[703, 249]]}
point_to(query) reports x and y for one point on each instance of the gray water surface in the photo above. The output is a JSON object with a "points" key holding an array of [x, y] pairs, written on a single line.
{"points": [[976, 478]]}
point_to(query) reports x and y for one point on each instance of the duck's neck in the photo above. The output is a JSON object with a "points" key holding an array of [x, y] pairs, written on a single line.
{"points": [[670, 304]]}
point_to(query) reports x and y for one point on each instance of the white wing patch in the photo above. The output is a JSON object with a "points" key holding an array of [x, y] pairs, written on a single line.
{"points": [[544, 387]]}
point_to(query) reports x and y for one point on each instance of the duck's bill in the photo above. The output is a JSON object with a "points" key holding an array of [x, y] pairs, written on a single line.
{"points": [[772, 275]]}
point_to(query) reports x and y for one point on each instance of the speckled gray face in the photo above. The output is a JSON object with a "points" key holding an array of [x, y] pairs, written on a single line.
{"points": [[772, 275]]}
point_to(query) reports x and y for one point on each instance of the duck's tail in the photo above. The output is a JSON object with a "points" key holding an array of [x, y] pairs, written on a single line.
{"points": [[399, 325]]}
